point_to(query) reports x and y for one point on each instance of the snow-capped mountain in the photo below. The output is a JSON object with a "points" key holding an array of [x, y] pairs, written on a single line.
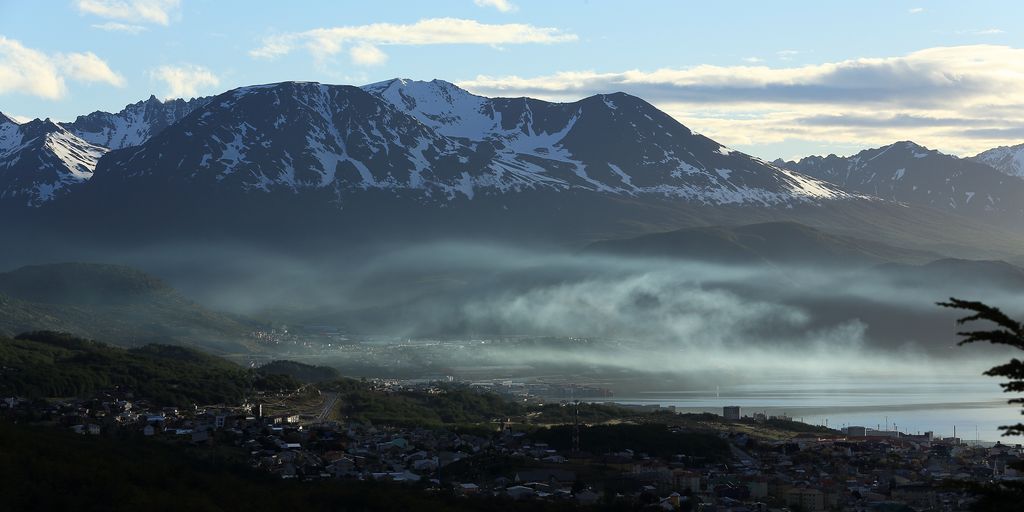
{"points": [[40, 161], [613, 143], [309, 166], [134, 124], [439, 143], [912, 174], [1006, 159], [291, 137]]}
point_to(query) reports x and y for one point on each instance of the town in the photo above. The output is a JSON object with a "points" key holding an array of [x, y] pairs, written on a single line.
{"points": [[559, 451]]}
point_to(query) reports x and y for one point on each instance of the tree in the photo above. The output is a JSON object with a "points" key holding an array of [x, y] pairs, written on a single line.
{"points": [[1009, 332], [998, 495]]}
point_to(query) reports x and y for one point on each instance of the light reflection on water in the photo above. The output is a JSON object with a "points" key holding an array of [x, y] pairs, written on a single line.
{"points": [[976, 405]]}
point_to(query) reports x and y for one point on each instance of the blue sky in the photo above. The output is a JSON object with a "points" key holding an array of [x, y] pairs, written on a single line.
{"points": [[769, 78]]}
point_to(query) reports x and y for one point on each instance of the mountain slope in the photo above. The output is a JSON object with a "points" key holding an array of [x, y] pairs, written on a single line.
{"points": [[909, 173], [772, 242], [48, 364], [40, 161], [973, 276], [133, 125], [340, 140], [291, 137], [613, 143], [114, 303], [1006, 159]]}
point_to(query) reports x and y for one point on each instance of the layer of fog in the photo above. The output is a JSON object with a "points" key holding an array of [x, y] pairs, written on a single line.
{"points": [[649, 315]]}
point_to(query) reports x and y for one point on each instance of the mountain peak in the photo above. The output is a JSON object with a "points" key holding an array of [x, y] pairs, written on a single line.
{"points": [[384, 84], [42, 160], [912, 146], [1005, 159], [411, 92], [908, 172], [902, 145], [134, 124], [37, 127], [1014, 147]]}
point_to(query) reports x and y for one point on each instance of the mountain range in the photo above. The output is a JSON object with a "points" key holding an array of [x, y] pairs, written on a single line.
{"points": [[288, 160], [1007, 159], [438, 143], [908, 173]]}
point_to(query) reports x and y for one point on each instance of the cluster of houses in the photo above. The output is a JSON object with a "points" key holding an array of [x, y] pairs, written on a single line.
{"points": [[851, 471]]}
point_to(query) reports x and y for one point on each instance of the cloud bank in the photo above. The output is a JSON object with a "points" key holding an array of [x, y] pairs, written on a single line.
{"points": [[945, 88]]}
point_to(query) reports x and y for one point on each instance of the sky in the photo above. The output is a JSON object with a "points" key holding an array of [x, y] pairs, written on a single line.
{"points": [[773, 79]]}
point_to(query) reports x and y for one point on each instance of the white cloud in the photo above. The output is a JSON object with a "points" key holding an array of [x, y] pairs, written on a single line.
{"points": [[930, 96], [501, 5], [323, 43], [366, 54], [87, 67], [29, 71], [113, 26], [916, 10], [184, 81], [159, 12]]}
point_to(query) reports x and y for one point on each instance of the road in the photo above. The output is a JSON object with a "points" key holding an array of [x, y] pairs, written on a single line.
{"points": [[330, 401]]}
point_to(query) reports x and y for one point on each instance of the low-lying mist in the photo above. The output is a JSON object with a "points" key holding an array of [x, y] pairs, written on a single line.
{"points": [[644, 315], [653, 315]]}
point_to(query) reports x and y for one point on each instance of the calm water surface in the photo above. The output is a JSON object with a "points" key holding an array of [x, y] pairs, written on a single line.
{"points": [[975, 406]]}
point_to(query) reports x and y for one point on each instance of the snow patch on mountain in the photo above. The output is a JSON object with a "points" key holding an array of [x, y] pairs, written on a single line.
{"points": [[40, 161]]}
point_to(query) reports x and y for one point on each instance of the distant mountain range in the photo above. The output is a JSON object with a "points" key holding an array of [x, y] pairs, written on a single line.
{"points": [[1007, 159], [912, 174]]}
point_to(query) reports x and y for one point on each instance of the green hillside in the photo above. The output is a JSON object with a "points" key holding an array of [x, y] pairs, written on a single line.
{"points": [[49, 364], [299, 371], [114, 303]]}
